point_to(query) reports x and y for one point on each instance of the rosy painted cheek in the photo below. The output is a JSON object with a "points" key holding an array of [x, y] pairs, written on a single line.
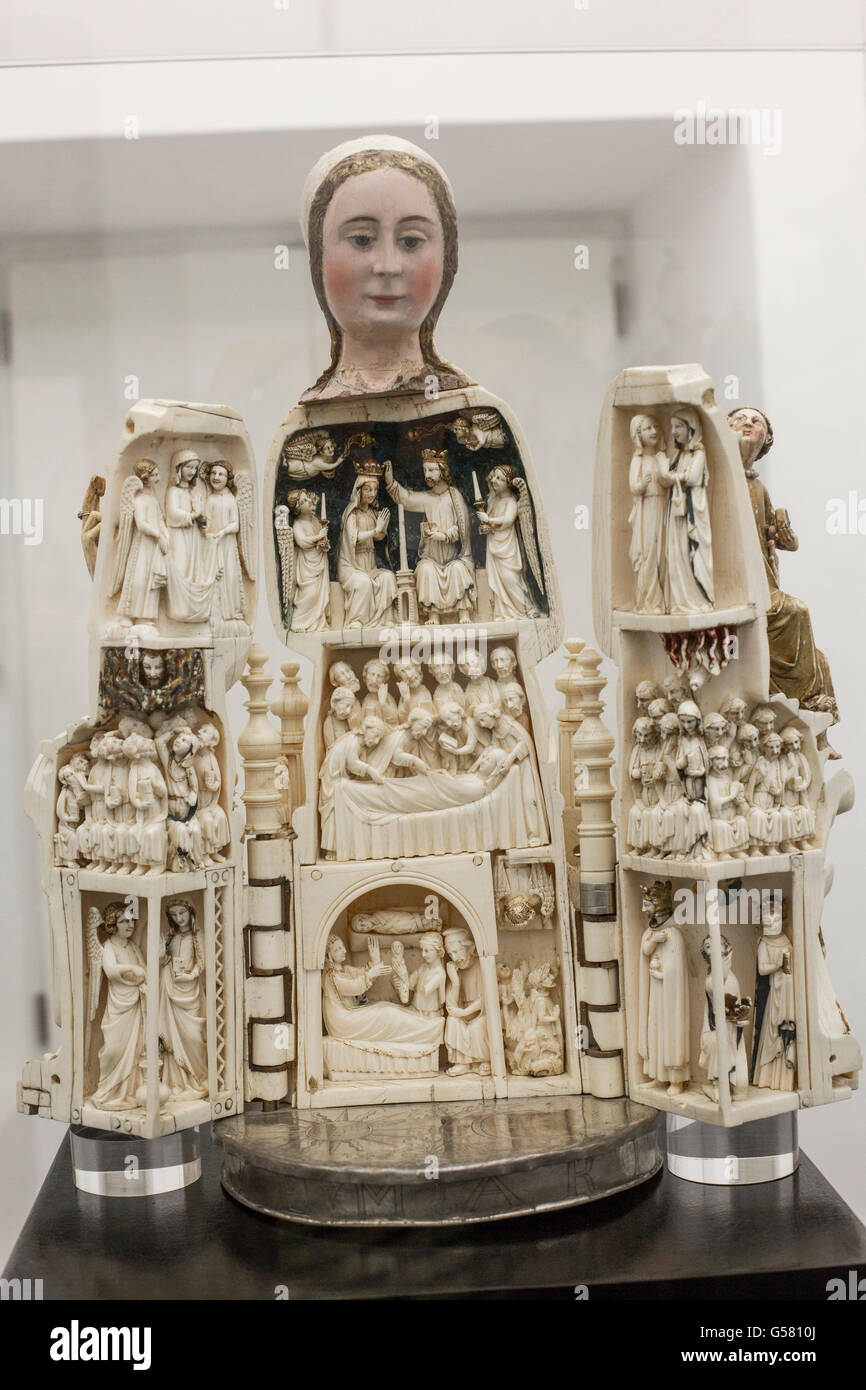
{"points": [[341, 280], [425, 280]]}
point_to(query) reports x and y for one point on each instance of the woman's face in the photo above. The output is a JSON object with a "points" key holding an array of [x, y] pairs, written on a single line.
{"points": [[648, 433], [337, 952], [679, 431], [369, 492], [189, 470], [382, 253], [179, 916], [429, 953]]}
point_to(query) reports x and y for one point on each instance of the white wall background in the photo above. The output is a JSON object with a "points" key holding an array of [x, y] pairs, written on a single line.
{"points": [[154, 259]]}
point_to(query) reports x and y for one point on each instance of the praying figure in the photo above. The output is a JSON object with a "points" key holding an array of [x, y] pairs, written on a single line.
{"points": [[687, 559], [647, 515], [775, 1055], [369, 590], [303, 545]]}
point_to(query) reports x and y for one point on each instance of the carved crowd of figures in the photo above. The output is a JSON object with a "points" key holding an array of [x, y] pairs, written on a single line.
{"points": [[188, 552], [671, 548], [716, 785], [144, 798], [434, 744], [444, 578], [664, 1009], [114, 956]]}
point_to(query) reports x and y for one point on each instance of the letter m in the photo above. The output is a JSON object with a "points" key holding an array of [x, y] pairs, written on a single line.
{"points": [[10, 516]]}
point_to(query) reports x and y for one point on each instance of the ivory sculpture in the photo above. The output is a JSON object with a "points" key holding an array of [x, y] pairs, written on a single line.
{"points": [[433, 908], [724, 805], [141, 846], [410, 563]]}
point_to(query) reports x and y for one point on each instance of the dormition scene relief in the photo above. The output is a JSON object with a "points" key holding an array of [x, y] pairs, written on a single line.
{"points": [[429, 757]]}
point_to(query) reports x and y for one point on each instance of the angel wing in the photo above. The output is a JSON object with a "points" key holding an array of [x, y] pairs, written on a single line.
{"points": [[131, 488], [301, 452], [527, 529], [92, 923], [285, 539], [301, 447], [247, 528], [484, 419]]}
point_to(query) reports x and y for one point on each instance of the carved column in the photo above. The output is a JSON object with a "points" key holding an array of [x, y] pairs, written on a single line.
{"points": [[269, 1046], [599, 946], [290, 707], [568, 718]]}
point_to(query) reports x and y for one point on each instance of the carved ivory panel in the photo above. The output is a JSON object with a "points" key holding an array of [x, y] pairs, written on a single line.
{"points": [[430, 906], [724, 803], [141, 843]]}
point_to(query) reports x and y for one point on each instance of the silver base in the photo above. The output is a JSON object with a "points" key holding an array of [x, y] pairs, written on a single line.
{"points": [[119, 1165], [760, 1151], [437, 1163]]}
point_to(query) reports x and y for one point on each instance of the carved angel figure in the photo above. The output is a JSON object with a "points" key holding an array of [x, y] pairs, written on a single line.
{"points": [[122, 1022], [508, 524], [140, 565], [479, 429], [230, 530], [303, 547], [313, 452]]}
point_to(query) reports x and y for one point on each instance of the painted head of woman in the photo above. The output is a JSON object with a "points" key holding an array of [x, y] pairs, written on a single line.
{"points": [[379, 221]]}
